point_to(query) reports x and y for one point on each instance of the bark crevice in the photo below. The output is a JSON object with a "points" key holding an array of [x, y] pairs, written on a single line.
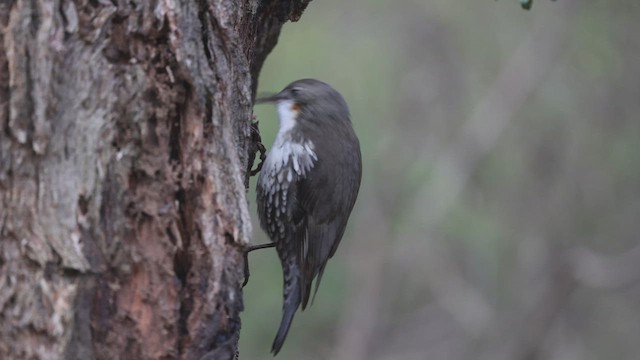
{"points": [[123, 159]]}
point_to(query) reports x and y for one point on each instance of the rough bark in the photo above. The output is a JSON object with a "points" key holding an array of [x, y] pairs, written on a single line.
{"points": [[124, 149]]}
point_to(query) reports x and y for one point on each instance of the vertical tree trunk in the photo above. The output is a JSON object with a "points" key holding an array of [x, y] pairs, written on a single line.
{"points": [[124, 148]]}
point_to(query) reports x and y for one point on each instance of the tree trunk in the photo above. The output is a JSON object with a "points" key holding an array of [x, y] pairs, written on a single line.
{"points": [[125, 142]]}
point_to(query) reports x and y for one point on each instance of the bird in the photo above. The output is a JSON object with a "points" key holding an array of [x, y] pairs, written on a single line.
{"points": [[307, 188]]}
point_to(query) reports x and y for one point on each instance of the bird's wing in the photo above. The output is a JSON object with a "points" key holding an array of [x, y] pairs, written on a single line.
{"points": [[324, 199]]}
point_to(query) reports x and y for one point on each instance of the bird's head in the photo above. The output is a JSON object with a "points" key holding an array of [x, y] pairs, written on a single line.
{"points": [[315, 100]]}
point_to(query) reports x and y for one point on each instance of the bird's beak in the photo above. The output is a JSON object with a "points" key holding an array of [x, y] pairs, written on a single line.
{"points": [[271, 98]]}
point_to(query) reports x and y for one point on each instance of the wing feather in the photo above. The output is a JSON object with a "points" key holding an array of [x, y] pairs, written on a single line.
{"points": [[324, 199]]}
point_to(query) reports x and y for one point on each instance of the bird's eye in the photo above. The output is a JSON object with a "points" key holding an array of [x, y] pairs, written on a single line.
{"points": [[295, 92]]}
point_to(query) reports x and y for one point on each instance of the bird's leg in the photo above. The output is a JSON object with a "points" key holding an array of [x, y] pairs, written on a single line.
{"points": [[246, 258]]}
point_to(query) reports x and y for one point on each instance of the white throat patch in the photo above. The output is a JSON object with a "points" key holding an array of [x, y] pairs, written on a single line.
{"points": [[287, 159], [287, 115]]}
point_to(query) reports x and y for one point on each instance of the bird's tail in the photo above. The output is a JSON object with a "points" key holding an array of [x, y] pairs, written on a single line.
{"points": [[289, 307]]}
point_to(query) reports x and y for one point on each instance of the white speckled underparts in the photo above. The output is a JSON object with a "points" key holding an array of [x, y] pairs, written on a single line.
{"points": [[286, 161], [287, 158]]}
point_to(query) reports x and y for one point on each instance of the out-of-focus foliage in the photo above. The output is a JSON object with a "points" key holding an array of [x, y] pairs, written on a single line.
{"points": [[499, 216], [526, 4]]}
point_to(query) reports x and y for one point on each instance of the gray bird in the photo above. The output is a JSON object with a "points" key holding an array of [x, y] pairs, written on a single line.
{"points": [[307, 187]]}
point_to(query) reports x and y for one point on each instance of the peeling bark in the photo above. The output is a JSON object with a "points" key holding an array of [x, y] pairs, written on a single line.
{"points": [[125, 145]]}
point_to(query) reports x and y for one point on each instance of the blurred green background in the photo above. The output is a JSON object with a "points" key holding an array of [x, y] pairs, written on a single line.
{"points": [[499, 215]]}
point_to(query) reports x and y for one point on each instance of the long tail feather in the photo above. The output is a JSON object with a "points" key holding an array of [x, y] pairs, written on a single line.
{"points": [[289, 308]]}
